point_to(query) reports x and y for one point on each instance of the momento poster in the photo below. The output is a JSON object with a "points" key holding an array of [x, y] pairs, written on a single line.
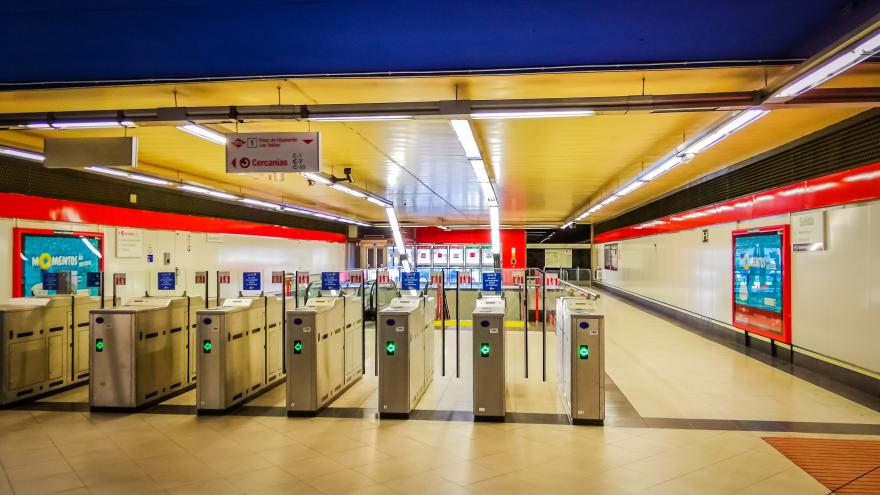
{"points": [[612, 258], [761, 282], [46, 251]]}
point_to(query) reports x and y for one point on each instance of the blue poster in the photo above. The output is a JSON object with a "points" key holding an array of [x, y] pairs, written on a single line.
{"points": [[491, 282], [757, 280], [93, 279], [166, 281], [251, 281], [58, 252], [329, 280], [409, 280], [50, 281]]}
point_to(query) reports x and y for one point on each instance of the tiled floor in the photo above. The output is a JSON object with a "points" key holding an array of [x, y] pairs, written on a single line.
{"points": [[662, 372]]}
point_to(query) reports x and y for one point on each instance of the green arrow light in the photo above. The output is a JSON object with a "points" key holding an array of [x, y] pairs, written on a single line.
{"points": [[584, 351], [484, 349], [99, 345], [207, 346], [390, 347], [297, 347]]}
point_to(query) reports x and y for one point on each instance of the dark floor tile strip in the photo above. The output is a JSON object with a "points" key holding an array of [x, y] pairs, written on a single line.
{"points": [[846, 383]]}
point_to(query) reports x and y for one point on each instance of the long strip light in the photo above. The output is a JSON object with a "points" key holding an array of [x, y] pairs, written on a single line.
{"points": [[348, 190], [322, 179], [316, 178], [23, 154], [204, 133], [264, 204], [495, 223], [466, 137], [86, 124], [833, 67], [127, 175], [359, 118], [398, 236], [530, 114], [208, 192]]}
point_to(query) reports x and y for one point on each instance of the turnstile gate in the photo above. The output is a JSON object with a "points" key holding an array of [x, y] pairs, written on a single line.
{"points": [[45, 344], [488, 358], [139, 351], [239, 351], [323, 352], [580, 337], [406, 354]]}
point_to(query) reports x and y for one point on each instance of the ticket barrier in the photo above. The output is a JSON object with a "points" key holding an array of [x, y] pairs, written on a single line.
{"points": [[488, 358], [406, 355], [139, 351], [240, 353], [45, 345], [323, 352], [580, 337]]}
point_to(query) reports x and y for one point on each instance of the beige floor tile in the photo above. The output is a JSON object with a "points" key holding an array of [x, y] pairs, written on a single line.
{"points": [[341, 482], [261, 478], [213, 487], [426, 484], [466, 473], [52, 483], [359, 456], [790, 481], [503, 485], [313, 467]]}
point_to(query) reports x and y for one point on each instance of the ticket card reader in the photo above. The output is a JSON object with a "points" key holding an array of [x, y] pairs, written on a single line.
{"points": [[489, 374], [44, 343], [234, 353], [406, 354], [139, 352], [580, 336], [323, 352]]}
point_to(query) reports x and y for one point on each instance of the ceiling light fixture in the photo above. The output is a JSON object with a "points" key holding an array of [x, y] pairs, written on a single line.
{"points": [[108, 171], [495, 224], [480, 172], [348, 190], [148, 179], [630, 188], [24, 154], [204, 133], [398, 237], [530, 114], [316, 177], [89, 124], [264, 204], [358, 118], [465, 135]]}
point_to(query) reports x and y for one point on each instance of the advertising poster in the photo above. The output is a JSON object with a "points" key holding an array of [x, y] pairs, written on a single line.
{"points": [[760, 283], [611, 257], [52, 252]]}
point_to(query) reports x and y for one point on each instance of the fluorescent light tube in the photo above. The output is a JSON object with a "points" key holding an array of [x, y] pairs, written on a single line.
{"points": [[480, 170], [378, 202], [630, 188], [530, 114], [204, 133], [495, 223], [24, 154], [840, 63], [316, 177], [325, 216], [466, 137], [108, 171], [742, 119], [149, 180], [583, 215], [596, 208], [662, 168], [395, 230], [94, 124], [569, 224], [610, 200], [488, 191], [704, 143], [257, 202], [348, 190], [222, 195], [195, 189], [359, 118]]}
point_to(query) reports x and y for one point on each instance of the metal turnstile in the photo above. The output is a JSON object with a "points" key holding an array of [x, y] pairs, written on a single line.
{"points": [[139, 351], [45, 344], [239, 355], [489, 374], [323, 352], [580, 337], [406, 354]]}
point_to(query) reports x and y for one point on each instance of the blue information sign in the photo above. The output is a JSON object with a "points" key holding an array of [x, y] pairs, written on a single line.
{"points": [[409, 280], [492, 282], [93, 279], [251, 281], [50, 281], [166, 281], [329, 280]]}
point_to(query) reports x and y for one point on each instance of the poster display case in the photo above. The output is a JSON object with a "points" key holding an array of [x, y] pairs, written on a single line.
{"points": [[762, 282]]}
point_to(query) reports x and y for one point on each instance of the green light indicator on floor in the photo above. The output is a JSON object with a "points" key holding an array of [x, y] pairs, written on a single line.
{"points": [[99, 345], [297, 347], [390, 347], [584, 351], [207, 346], [484, 350]]}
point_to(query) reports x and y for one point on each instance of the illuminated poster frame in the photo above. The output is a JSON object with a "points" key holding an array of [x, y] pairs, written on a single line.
{"points": [[747, 315], [19, 236]]}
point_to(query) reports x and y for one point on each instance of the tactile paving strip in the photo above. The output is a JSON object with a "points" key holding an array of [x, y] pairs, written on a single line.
{"points": [[850, 467]]}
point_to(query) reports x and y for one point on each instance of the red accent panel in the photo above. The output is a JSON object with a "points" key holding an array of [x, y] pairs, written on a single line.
{"points": [[17, 234], [57, 210], [850, 186], [512, 241], [756, 314]]}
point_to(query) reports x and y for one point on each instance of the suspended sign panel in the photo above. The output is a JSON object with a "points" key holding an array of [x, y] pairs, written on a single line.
{"points": [[273, 152]]}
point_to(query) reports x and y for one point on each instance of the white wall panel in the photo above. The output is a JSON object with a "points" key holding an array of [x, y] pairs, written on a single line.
{"points": [[835, 293]]}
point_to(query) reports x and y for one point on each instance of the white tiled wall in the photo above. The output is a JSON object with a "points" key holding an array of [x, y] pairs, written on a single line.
{"points": [[835, 293], [190, 252]]}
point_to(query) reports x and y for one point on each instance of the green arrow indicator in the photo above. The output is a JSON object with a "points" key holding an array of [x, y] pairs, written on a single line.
{"points": [[584, 351], [390, 348], [297, 347], [207, 346], [99, 345], [484, 349]]}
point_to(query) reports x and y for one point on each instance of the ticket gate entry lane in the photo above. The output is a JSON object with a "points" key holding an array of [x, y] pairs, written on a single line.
{"points": [[139, 352], [406, 355], [45, 344], [323, 352], [234, 352], [580, 336], [488, 358]]}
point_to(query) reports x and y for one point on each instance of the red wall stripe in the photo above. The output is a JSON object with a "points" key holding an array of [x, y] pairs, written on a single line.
{"points": [[513, 241], [57, 210], [851, 186]]}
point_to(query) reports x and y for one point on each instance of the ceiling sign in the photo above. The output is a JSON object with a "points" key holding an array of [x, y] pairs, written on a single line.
{"points": [[273, 152]]}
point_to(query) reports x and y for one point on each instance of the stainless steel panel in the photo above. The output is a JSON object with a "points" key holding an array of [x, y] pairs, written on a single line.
{"points": [[488, 358], [302, 384], [112, 369], [588, 374], [28, 361], [405, 373]]}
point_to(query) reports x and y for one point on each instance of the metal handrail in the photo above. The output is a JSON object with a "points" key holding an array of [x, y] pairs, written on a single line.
{"points": [[590, 294]]}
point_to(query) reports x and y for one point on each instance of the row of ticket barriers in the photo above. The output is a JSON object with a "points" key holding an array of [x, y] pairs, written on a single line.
{"points": [[153, 348]]}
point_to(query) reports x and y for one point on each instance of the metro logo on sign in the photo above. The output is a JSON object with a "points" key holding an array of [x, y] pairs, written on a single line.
{"points": [[302, 278], [273, 152], [277, 277], [384, 278], [464, 278], [223, 277], [118, 279], [356, 278], [201, 277]]}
